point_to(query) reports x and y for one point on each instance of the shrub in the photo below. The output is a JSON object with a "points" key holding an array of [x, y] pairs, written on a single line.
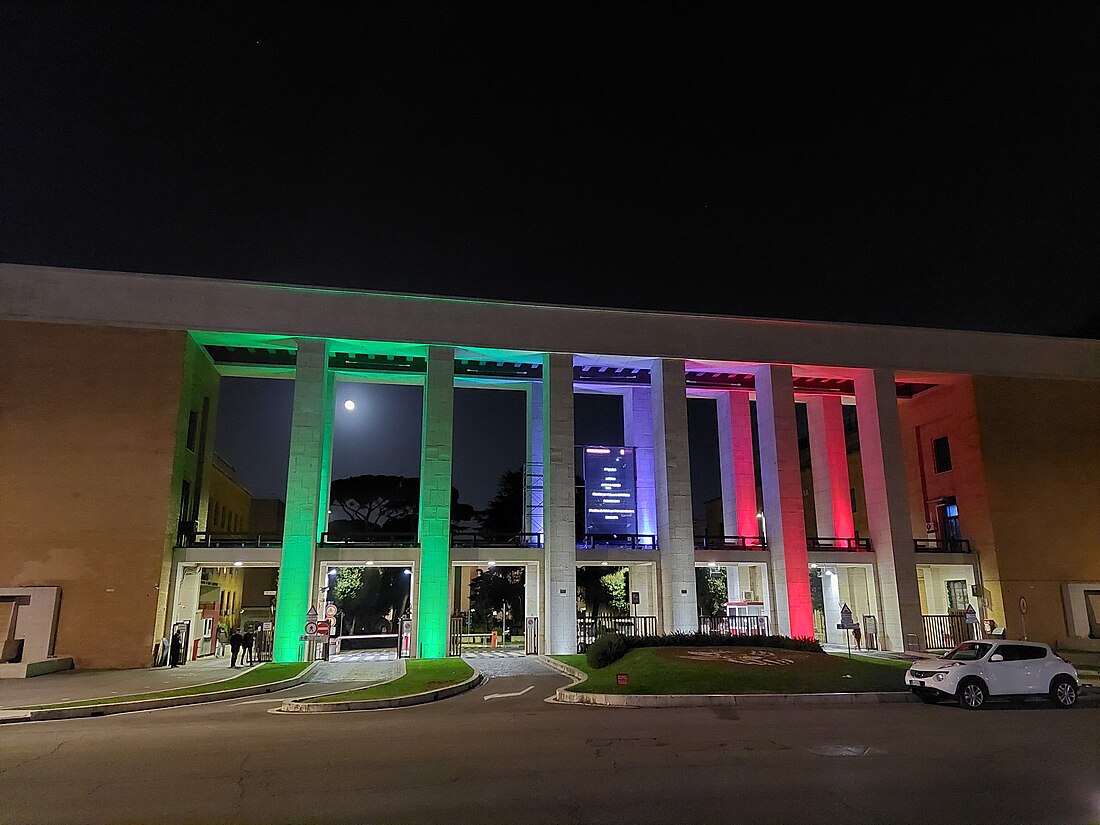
{"points": [[721, 640], [607, 648]]}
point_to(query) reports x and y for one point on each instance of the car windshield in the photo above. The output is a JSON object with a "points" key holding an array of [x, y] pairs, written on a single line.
{"points": [[968, 652]]}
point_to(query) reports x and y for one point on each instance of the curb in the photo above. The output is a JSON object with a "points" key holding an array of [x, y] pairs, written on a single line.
{"points": [[294, 706], [85, 711], [619, 700]]}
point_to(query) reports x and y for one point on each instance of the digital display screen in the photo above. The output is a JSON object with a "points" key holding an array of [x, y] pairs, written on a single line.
{"points": [[610, 504]]}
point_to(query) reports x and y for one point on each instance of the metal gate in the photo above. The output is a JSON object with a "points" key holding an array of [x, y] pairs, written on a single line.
{"points": [[454, 636], [870, 633], [531, 636], [589, 627]]}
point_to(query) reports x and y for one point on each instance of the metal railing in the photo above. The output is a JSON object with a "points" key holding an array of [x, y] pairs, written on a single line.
{"points": [[730, 543], [371, 540], [473, 538], [633, 541], [233, 540], [941, 545], [943, 632], [590, 627], [831, 543], [734, 625]]}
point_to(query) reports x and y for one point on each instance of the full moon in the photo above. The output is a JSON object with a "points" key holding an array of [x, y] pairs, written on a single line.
{"points": [[349, 405]]}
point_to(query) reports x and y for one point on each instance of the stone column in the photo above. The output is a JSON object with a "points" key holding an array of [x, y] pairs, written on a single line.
{"points": [[733, 582], [435, 503], [532, 593], [888, 510], [532, 496], [673, 480], [829, 464], [638, 432], [830, 592], [311, 420], [326, 457], [559, 518], [736, 461], [782, 489]]}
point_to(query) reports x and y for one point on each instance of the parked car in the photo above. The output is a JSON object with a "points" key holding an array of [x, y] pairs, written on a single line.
{"points": [[976, 671]]}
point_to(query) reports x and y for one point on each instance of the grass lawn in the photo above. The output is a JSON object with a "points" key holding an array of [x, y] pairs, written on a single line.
{"points": [[263, 675], [421, 675], [685, 670]]}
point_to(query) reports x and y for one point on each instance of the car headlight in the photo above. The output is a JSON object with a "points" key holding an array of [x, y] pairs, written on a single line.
{"points": [[939, 677]]}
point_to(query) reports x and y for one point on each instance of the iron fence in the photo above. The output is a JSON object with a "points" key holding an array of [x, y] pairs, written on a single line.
{"points": [[941, 545], [734, 625], [831, 543], [943, 632], [632, 541], [370, 540], [590, 627], [730, 543], [473, 538]]}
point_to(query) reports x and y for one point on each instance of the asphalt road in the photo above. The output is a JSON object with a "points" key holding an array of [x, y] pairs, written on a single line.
{"points": [[518, 759]]}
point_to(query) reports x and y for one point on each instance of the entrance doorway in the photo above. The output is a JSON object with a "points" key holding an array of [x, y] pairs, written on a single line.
{"points": [[216, 599], [490, 615], [366, 605]]}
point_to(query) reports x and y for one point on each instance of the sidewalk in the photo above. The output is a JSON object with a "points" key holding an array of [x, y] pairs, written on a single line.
{"points": [[75, 685], [877, 654]]}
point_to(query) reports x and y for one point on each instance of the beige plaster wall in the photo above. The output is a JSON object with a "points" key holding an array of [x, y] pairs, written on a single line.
{"points": [[88, 418], [1041, 442]]}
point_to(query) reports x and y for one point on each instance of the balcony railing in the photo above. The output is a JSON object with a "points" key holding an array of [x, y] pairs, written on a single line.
{"points": [[832, 544], [231, 540], [472, 538], [370, 540], [730, 543], [734, 625], [630, 541], [941, 545]]}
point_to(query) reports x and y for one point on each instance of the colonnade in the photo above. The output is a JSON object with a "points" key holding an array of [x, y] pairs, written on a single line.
{"points": [[655, 423]]}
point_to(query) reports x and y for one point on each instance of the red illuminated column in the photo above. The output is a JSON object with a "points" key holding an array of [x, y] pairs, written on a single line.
{"points": [[888, 520], [829, 462], [781, 481], [735, 456]]}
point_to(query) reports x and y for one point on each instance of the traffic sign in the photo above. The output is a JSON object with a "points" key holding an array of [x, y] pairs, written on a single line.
{"points": [[971, 615], [1023, 606], [331, 611], [311, 627], [323, 627], [846, 622], [311, 614]]}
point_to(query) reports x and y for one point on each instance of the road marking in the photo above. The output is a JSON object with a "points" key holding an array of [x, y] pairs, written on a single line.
{"points": [[508, 695]]}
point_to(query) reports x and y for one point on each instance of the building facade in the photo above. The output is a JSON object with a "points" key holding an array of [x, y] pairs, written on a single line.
{"points": [[977, 469]]}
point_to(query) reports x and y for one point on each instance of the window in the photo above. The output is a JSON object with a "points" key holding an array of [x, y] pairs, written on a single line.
{"points": [[941, 454], [852, 493], [192, 429]]}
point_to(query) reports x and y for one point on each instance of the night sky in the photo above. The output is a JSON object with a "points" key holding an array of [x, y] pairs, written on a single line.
{"points": [[927, 164]]}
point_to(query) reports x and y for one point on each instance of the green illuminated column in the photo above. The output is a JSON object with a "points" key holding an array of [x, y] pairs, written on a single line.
{"points": [[435, 502], [310, 429]]}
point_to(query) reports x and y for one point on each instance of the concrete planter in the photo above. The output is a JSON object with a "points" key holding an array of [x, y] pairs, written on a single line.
{"points": [[742, 700], [376, 704]]}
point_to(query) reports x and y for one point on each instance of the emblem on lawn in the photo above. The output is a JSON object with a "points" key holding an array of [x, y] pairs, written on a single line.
{"points": [[765, 658]]}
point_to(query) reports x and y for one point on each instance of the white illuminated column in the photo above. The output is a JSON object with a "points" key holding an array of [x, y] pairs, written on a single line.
{"points": [[559, 516], [673, 481]]}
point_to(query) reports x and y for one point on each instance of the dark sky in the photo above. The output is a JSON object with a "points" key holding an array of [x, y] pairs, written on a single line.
{"points": [[915, 164]]}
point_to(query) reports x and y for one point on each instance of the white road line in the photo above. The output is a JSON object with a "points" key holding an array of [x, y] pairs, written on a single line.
{"points": [[508, 695]]}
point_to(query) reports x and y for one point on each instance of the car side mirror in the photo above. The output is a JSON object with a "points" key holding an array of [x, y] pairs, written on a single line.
{"points": [[996, 657]]}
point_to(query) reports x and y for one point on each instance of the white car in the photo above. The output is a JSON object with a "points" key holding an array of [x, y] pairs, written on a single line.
{"points": [[976, 671]]}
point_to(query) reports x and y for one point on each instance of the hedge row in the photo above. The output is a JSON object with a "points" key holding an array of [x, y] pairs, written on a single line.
{"points": [[610, 647]]}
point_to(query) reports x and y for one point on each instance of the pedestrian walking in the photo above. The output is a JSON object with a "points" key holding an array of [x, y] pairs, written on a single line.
{"points": [[857, 634], [236, 641], [249, 639], [175, 651], [223, 638]]}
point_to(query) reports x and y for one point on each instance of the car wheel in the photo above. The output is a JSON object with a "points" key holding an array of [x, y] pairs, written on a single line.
{"points": [[971, 694], [1063, 692], [929, 698]]}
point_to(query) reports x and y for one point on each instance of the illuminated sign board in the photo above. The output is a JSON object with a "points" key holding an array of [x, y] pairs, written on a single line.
{"points": [[610, 503]]}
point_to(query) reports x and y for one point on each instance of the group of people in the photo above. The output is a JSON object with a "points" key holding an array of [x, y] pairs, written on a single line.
{"points": [[240, 645]]}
